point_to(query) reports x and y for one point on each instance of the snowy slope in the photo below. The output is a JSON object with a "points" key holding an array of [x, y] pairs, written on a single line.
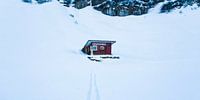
{"points": [[40, 56]]}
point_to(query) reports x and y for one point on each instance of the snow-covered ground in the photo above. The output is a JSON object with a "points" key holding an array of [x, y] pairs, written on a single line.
{"points": [[40, 57]]}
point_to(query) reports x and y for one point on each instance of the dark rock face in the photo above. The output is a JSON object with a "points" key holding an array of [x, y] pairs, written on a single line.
{"points": [[42, 1], [38, 1], [178, 4], [27, 1], [113, 9], [65, 2], [128, 7], [79, 4], [97, 2]]}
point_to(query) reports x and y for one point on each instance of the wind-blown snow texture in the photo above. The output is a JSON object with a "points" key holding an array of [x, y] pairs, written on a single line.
{"points": [[40, 56]]}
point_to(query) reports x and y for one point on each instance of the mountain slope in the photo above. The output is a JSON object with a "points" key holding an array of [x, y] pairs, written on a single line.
{"points": [[41, 58]]}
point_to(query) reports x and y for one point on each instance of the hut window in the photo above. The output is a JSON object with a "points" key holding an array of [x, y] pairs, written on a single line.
{"points": [[93, 48], [102, 48]]}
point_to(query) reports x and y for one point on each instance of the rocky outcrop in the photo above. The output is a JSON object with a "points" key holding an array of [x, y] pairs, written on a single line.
{"points": [[37, 1], [124, 7], [169, 6], [27, 1], [116, 7], [43, 1]]}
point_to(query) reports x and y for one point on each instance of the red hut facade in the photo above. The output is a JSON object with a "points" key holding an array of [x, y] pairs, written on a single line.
{"points": [[98, 47]]}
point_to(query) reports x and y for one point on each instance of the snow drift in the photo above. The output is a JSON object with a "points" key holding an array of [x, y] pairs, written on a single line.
{"points": [[40, 57]]}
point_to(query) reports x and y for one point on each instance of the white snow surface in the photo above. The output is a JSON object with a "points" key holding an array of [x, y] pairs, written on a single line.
{"points": [[40, 57]]}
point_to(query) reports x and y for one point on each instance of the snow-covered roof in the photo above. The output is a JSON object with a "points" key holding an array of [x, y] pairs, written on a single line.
{"points": [[99, 41]]}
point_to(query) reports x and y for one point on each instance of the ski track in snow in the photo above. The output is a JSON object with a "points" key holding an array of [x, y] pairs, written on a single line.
{"points": [[93, 92]]}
